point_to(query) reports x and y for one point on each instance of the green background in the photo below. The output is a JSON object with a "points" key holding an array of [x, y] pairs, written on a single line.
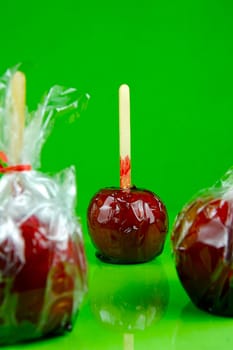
{"points": [[177, 57]]}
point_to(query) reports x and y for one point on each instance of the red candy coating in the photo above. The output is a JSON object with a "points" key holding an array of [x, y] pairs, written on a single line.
{"points": [[127, 226], [203, 248], [38, 255], [44, 284]]}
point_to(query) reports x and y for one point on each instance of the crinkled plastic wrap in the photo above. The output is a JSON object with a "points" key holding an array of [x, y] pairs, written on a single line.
{"points": [[42, 261], [203, 247]]}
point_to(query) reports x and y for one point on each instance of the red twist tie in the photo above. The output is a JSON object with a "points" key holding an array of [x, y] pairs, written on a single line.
{"points": [[4, 168]]}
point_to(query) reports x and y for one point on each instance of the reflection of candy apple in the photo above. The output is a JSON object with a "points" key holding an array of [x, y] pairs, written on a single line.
{"points": [[134, 297], [203, 248], [127, 224]]}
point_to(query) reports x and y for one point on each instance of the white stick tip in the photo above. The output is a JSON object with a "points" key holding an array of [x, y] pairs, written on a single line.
{"points": [[18, 85], [124, 88], [19, 77]]}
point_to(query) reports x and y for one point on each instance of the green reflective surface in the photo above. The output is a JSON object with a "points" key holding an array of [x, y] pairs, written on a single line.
{"points": [[137, 307]]}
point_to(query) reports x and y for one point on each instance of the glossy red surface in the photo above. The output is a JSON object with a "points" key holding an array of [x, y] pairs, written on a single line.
{"points": [[127, 226], [40, 291], [203, 248], [38, 250]]}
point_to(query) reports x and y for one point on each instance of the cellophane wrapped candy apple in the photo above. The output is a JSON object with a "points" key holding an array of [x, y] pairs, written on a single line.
{"points": [[203, 248], [42, 260]]}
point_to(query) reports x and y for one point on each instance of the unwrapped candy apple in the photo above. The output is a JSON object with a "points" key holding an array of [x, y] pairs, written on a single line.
{"points": [[127, 224], [42, 261], [203, 248]]}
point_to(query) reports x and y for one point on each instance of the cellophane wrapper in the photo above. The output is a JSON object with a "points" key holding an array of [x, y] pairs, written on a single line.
{"points": [[42, 260], [202, 241]]}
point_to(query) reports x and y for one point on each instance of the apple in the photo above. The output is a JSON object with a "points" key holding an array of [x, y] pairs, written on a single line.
{"points": [[127, 225], [43, 290], [203, 248], [42, 262]]}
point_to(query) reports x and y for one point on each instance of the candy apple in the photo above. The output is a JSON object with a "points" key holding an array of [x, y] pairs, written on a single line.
{"points": [[127, 226], [203, 248]]}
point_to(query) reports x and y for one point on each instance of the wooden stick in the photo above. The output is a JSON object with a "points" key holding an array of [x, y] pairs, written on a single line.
{"points": [[18, 92], [124, 125], [128, 341]]}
